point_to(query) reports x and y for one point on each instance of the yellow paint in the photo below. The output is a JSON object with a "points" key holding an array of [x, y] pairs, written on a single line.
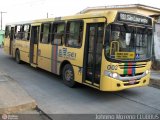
{"points": [[36, 24], [110, 84], [23, 47], [7, 45], [91, 85], [33, 65], [44, 56], [95, 20], [78, 74]]}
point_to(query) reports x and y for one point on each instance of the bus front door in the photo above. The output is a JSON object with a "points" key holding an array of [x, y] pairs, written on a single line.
{"points": [[34, 44], [93, 53]]}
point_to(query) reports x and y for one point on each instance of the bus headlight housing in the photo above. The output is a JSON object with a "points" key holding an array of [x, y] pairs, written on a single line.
{"points": [[110, 74], [114, 75], [147, 72]]}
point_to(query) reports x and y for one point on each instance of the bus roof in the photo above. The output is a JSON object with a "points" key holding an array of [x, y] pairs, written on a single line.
{"points": [[112, 15]]}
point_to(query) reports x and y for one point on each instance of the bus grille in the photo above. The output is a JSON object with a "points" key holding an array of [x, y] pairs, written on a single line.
{"points": [[129, 75], [128, 66], [128, 84]]}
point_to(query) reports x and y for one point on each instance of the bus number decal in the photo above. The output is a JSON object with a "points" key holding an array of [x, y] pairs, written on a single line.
{"points": [[65, 54], [112, 67]]}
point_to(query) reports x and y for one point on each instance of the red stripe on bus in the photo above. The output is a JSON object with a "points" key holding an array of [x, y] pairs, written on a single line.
{"points": [[54, 58], [129, 68]]}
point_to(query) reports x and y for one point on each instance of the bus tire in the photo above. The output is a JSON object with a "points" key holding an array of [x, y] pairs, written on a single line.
{"points": [[68, 76], [17, 57]]}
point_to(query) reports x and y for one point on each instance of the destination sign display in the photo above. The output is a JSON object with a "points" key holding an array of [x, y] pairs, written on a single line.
{"points": [[124, 55], [128, 17]]}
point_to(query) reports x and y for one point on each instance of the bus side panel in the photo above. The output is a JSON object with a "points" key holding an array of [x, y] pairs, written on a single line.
{"points": [[23, 47], [55, 63], [78, 74], [7, 45], [44, 56], [75, 57]]}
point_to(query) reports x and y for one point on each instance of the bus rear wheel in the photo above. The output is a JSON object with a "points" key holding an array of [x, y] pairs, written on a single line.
{"points": [[17, 57], [68, 76]]}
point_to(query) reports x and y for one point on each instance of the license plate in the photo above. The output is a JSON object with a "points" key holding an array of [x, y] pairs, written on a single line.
{"points": [[132, 81]]}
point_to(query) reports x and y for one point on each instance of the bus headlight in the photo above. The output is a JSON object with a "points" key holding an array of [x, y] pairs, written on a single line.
{"points": [[147, 72], [110, 74], [114, 75]]}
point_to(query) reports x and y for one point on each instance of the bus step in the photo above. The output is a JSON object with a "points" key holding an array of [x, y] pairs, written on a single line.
{"points": [[33, 65]]}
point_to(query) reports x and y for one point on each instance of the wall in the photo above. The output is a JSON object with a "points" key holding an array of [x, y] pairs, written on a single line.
{"points": [[1, 36]]}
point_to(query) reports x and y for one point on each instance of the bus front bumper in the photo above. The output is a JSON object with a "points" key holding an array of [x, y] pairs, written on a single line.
{"points": [[111, 84]]}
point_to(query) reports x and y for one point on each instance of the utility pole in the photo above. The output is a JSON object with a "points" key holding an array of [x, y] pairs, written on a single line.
{"points": [[47, 14], [1, 18]]}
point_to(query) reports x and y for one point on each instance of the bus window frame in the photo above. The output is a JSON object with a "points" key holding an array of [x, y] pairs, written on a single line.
{"points": [[7, 31], [53, 33], [107, 38], [49, 34], [15, 31], [28, 33], [81, 21]]}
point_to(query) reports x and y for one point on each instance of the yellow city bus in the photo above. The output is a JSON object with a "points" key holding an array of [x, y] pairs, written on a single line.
{"points": [[109, 51]]}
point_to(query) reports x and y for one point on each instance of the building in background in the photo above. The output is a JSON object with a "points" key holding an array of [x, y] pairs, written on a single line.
{"points": [[156, 48], [136, 8], [1, 37], [156, 36]]}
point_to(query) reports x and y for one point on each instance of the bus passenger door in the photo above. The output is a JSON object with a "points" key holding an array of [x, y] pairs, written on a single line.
{"points": [[93, 53], [34, 44]]}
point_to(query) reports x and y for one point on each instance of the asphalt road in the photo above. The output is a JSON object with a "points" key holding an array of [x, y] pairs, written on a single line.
{"points": [[53, 96]]}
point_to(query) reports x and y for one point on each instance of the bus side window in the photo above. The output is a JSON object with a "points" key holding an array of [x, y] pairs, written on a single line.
{"points": [[7, 31], [18, 32], [58, 33], [74, 34], [45, 32], [26, 32]]}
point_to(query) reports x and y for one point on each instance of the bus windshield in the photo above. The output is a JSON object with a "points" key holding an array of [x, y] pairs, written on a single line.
{"points": [[128, 43]]}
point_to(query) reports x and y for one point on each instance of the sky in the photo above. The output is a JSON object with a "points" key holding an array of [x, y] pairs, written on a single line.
{"points": [[23, 10]]}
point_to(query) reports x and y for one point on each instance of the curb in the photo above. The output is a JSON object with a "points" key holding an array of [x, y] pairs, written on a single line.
{"points": [[13, 98], [19, 108]]}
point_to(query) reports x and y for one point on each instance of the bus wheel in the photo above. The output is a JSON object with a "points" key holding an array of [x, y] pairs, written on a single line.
{"points": [[17, 57], [68, 76]]}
